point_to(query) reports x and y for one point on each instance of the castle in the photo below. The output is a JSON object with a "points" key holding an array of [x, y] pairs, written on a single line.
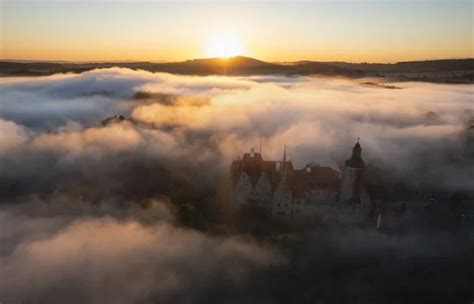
{"points": [[281, 190]]}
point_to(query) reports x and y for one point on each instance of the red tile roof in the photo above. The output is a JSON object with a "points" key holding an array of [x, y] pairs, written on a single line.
{"points": [[300, 181]]}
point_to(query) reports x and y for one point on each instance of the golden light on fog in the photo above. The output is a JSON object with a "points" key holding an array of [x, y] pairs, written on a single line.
{"points": [[224, 45]]}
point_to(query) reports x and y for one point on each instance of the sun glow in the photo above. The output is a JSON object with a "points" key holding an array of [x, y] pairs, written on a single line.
{"points": [[224, 46]]}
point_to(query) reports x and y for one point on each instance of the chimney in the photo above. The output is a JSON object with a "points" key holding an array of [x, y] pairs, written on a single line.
{"points": [[252, 152]]}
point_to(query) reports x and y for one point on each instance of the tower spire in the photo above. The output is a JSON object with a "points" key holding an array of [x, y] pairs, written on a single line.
{"points": [[284, 154], [357, 150]]}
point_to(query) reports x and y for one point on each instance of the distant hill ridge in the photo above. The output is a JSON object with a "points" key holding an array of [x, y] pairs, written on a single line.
{"points": [[462, 70]]}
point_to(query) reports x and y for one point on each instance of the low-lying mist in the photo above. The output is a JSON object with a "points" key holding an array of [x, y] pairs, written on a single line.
{"points": [[111, 188]]}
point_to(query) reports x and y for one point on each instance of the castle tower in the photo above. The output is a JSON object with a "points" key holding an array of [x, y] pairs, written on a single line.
{"points": [[352, 176]]}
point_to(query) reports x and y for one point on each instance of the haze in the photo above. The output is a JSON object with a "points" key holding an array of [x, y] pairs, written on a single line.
{"points": [[198, 152], [356, 31]]}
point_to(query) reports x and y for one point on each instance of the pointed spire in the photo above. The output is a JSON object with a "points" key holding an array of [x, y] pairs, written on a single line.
{"points": [[260, 145], [357, 150], [356, 160], [284, 154]]}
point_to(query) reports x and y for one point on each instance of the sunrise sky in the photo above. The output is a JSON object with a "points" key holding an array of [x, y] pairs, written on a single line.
{"points": [[356, 31]]}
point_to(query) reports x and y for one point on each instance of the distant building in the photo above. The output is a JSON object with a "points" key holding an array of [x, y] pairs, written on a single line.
{"points": [[361, 194], [281, 190], [353, 189]]}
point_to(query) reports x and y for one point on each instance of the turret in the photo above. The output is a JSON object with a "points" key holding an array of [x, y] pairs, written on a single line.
{"points": [[352, 175], [356, 160]]}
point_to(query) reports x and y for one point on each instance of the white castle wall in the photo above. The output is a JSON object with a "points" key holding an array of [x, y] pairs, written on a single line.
{"points": [[262, 193], [242, 190], [349, 176]]}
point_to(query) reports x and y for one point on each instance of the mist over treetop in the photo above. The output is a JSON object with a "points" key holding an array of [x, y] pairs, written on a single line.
{"points": [[117, 175]]}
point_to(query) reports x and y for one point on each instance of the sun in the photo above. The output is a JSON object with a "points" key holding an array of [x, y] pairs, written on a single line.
{"points": [[224, 46]]}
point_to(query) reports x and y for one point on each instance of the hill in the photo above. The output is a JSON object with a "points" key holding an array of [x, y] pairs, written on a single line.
{"points": [[449, 70]]}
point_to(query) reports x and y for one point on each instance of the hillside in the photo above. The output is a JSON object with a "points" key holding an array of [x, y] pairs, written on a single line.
{"points": [[450, 70]]}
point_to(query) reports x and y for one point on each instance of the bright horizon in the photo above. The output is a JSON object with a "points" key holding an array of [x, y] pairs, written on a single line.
{"points": [[356, 31]]}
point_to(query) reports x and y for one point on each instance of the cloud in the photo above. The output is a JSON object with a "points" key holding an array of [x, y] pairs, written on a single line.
{"points": [[11, 135], [48, 102], [82, 207], [97, 259], [186, 125]]}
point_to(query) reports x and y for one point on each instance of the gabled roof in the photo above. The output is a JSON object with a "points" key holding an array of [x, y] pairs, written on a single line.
{"points": [[254, 167], [299, 181]]}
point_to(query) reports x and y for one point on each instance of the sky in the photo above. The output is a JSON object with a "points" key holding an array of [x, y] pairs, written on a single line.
{"points": [[355, 31]]}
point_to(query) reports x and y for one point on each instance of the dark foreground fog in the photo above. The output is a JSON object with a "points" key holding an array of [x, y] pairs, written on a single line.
{"points": [[114, 188]]}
